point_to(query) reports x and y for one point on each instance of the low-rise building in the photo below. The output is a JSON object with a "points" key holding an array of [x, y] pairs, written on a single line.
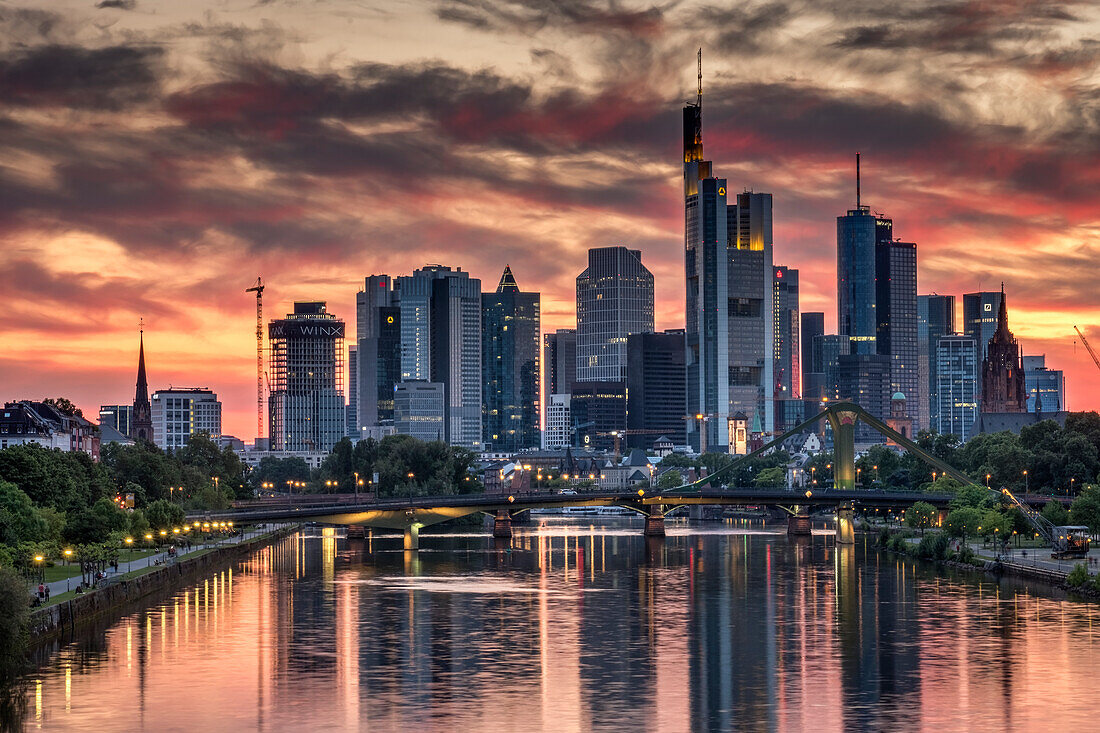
{"points": [[179, 413], [37, 422]]}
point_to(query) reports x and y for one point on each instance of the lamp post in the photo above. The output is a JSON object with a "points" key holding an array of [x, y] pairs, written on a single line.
{"points": [[1025, 481], [1071, 487], [858, 472], [829, 468], [987, 477], [876, 475]]}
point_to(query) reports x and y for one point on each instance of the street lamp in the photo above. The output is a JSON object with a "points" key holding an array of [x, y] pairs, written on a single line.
{"points": [[38, 559], [1071, 487], [987, 477], [876, 474], [1025, 481]]}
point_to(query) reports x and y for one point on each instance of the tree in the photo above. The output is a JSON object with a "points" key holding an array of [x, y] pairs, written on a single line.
{"points": [[921, 515], [64, 406], [163, 514], [1056, 513], [14, 612], [20, 520], [1086, 509], [670, 479], [964, 522], [771, 477], [970, 495]]}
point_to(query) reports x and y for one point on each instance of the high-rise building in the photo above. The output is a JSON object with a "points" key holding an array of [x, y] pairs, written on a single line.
{"points": [[980, 319], [828, 348], [351, 412], [614, 300], [813, 367], [558, 431], [180, 412], [655, 387], [598, 409], [440, 324], [785, 333], [956, 389], [419, 408], [117, 417], [1046, 388], [378, 353], [510, 366], [730, 327], [935, 318], [141, 420], [306, 402], [559, 361], [877, 294], [865, 380], [1002, 382]]}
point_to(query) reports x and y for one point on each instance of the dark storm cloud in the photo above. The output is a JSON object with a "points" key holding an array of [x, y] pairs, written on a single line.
{"points": [[119, 4], [532, 16], [70, 76]]}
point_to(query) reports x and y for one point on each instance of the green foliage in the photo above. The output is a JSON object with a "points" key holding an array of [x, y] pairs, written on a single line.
{"points": [[921, 516], [163, 514], [139, 525], [95, 525], [996, 525], [670, 479], [775, 476], [20, 520], [145, 465], [64, 406], [1086, 509], [934, 546], [1077, 577], [14, 613], [277, 471], [54, 479], [964, 522], [966, 496], [1056, 513], [206, 460]]}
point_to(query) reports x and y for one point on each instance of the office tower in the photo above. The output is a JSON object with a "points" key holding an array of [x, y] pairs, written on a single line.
{"points": [[896, 309], [727, 263], [510, 366], [1046, 388], [558, 433], [877, 293], [117, 417], [935, 318], [351, 412], [813, 368], [306, 402], [598, 409], [1002, 380], [440, 325], [980, 319], [655, 387], [828, 348], [956, 388], [179, 413], [141, 413], [559, 361], [419, 408], [787, 369], [865, 380], [614, 300], [378, 354]]}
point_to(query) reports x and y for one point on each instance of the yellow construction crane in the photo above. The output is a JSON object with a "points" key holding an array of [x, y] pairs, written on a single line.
{"points": [[1085, 341], [258, 288]]}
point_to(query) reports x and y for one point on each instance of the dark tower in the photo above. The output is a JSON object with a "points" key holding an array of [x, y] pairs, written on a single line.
{"points": [[141, 425], [1003, 387]]}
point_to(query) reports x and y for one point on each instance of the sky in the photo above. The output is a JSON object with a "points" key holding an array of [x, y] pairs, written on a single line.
{"points": [[155, 158]]}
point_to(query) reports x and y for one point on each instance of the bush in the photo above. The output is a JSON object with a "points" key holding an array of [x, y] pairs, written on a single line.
{"points": [[966, 555], [883, 538], [1077, 577], [934, 547]]}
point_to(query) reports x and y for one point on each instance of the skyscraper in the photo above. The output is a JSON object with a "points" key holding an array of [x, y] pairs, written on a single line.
{"points": [[956, 408], [558, 428], [614, 300], [729, 326], [813, 368], [181, 412], [559, 361], [306, 402], [1046, 388], [418, 409], [787, 369], [510, 366], [935, 318], [865, 380], [655, 387], [351, 414], [141, 423], [896, 308], [980, 318], [378, 355], [1002, 381]]}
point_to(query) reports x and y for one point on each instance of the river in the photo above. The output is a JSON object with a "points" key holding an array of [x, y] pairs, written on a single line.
{"points": [[579, 627]]}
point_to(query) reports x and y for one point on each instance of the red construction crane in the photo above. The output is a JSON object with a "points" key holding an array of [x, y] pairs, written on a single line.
{"points": [[258, 288], [1085, 341]]}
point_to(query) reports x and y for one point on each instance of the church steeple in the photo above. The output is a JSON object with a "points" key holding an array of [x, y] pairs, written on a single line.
{"points": [[141, 423], [1003, 388]]}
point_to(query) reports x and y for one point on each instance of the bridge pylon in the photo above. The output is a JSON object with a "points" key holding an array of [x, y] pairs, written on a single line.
{"points": [[502, 525], [654, 521]]}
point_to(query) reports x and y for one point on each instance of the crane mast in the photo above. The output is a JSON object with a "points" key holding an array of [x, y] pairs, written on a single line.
{"points": [[258, 288], [1085, 341]]}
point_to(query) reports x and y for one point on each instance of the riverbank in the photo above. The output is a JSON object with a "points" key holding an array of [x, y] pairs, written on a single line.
{"points": [[72, 614]]}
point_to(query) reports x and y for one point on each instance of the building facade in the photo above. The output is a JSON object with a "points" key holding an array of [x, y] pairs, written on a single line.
{"points": [[1046, 388], [598, 409], [559, 361], [614, 300], [656, 388], [377, 353], [865, 380], [29, 421], [306, 401], [1002, 376], [179, 413], [510, 366], [117, 417], [787, 369], [558, 431], [813, 369], [935, 318], [956, 388], [419, 409]]}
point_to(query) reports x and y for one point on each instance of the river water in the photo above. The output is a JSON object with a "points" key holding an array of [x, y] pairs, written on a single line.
{"points": [[576, 627]]}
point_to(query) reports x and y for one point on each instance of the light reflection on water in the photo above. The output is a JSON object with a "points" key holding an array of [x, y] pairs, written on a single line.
{"points": [[571, 626]]}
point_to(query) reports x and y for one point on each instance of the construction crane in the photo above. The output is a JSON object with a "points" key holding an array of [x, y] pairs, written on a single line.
{"points": [[1070, 541], [1085, 341], [258, 288]]}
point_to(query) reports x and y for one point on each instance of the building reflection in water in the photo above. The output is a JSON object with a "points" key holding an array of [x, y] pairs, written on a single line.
{"points": [[572, 627]]}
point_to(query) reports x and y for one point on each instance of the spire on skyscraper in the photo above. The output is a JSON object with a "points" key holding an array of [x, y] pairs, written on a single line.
{"points": [[507, 281]]}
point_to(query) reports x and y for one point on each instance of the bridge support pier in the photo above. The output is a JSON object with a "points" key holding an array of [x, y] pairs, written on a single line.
{"points": [[845, 525], [798, 525], [502, 525], [654, 523], [412, 537]]}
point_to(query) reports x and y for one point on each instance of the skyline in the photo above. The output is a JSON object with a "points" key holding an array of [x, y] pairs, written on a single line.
{"points": [[152, 151]]}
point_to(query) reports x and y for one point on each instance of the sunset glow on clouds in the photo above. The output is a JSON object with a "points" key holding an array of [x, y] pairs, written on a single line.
{"points": [[156, 157]]}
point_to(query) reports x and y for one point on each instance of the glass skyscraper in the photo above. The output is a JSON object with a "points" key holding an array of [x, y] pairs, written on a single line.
{"points": [[614, 300], [935, 318], [956, 393], [510, 366], [787, 369]]}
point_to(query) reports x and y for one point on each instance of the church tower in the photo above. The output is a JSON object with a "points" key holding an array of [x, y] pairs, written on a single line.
{"points": [[141, 425], [1002, 373]]}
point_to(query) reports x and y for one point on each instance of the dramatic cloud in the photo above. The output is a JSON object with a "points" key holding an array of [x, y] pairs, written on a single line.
{"points": [[152, 164]]}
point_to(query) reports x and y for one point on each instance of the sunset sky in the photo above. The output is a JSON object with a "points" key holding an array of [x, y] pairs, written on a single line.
{"points": [[155, 157]]}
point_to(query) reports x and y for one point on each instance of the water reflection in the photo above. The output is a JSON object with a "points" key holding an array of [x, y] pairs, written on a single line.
{"points": [[575, 627]]}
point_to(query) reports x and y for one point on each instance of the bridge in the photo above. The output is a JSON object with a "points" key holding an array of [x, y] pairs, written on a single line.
{"points": [[410, 514]]}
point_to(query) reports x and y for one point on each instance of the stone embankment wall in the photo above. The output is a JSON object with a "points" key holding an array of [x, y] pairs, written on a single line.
{"points": [[70, 616]]}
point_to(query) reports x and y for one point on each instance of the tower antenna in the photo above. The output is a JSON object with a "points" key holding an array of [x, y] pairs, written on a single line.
{"points": [[699, 99], [258, 288], [857, 181]]}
